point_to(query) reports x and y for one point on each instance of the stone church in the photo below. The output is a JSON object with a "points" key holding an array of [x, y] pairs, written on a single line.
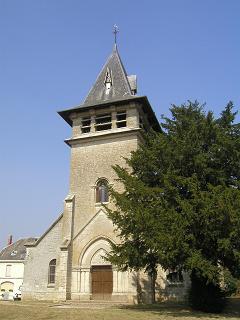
{"points": [[67, 261]]}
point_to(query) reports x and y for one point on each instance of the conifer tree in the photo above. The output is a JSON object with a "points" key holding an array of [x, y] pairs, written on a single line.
{"points": [[180, 207]]}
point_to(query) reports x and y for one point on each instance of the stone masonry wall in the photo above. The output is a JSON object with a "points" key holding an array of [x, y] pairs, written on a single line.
{"points": [[35, 285], [91, 161]]}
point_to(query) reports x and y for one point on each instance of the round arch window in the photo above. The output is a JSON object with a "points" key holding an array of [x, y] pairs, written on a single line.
{"points": [[102, 191], [52, 271]]}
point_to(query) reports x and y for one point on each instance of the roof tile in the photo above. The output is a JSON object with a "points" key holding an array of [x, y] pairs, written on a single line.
{"points": [[116, 75], [16, 250]]}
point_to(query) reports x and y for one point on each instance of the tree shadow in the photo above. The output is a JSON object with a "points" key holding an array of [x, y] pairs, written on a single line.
{"points": [[181, 310], [143, 288], [163, 291], [173, 307]]}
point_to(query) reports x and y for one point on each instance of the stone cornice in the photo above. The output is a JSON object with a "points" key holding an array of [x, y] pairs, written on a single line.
{"points": [[103, 135]]}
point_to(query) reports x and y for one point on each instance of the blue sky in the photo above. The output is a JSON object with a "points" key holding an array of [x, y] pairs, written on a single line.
{"points": [[50, 54]]}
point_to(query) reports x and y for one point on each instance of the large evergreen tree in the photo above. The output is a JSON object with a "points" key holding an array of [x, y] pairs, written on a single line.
{"points": [[180, 207]]}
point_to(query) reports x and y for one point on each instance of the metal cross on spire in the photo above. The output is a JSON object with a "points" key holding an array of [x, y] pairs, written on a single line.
{"points": [[115, 31]]}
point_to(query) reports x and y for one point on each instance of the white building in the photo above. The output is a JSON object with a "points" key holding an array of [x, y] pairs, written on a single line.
{"points": [[12, 268]]}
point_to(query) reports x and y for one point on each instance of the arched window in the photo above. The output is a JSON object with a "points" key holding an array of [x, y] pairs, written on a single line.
{"points": [[102, 191], [52, 271]]}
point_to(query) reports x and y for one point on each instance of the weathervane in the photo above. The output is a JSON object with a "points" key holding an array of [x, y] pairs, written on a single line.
{"points": [[115, 31]]}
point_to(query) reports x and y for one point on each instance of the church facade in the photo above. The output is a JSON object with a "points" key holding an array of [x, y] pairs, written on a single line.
{"points": [[67, 261]]}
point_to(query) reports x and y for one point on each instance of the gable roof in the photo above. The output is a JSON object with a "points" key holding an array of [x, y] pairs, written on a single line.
{"points": [[16, 250], [38, 240], [114, 73]]}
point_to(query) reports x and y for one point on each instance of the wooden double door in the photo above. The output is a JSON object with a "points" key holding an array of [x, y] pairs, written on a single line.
{"points": [[102, 282]]}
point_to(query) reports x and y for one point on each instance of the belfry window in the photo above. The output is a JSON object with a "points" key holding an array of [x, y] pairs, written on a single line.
{"points": [[102, 191], [121, 119], [52, 271], [103, 122], [86, 124]]}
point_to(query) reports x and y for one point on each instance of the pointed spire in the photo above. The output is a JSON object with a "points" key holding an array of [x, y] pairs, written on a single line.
{"points": [[112, 82]]}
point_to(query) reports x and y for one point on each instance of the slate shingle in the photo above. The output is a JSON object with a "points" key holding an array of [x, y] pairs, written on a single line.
{"points": [[120, 85], [16, 250]]}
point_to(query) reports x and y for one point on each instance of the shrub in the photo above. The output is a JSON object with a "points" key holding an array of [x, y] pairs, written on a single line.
{"points": [[206, 296]]}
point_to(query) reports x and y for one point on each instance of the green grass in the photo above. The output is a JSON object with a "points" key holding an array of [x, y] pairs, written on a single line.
{"points": [[23, 310]]}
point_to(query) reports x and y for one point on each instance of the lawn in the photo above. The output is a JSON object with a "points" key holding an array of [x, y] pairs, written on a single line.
{"points": [[21, 310]]}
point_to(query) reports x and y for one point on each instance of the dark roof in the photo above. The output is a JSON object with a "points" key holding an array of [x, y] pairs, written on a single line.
{"points": [[120, 86], [123, 89], [16, 250]]}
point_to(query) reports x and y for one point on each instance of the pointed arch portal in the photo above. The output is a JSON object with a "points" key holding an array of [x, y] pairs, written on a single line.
{"points": [[97, 273], [102, 282], [98, 278]]}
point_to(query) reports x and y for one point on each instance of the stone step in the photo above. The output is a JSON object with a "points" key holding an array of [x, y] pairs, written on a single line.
{"points": [[94, 304]]}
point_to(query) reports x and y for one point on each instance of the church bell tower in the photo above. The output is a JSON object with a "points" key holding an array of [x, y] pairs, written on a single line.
{"points": [[106, 128]]}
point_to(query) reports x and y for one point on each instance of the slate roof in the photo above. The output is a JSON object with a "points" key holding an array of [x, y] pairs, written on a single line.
{"points": [[16, 250], [123, 89], [120, 85]]}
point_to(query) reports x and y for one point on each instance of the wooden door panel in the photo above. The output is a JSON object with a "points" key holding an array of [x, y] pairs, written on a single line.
{"points": [[107, 276], [107, 287], [102, 282], [97, 287]]}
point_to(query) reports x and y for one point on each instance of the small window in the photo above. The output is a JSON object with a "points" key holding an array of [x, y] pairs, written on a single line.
{"points": [[175, 277], [108, 81], [52, 271], [103, 122], [121, 119], [86, 124], [8, 270], [102, 191]]}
